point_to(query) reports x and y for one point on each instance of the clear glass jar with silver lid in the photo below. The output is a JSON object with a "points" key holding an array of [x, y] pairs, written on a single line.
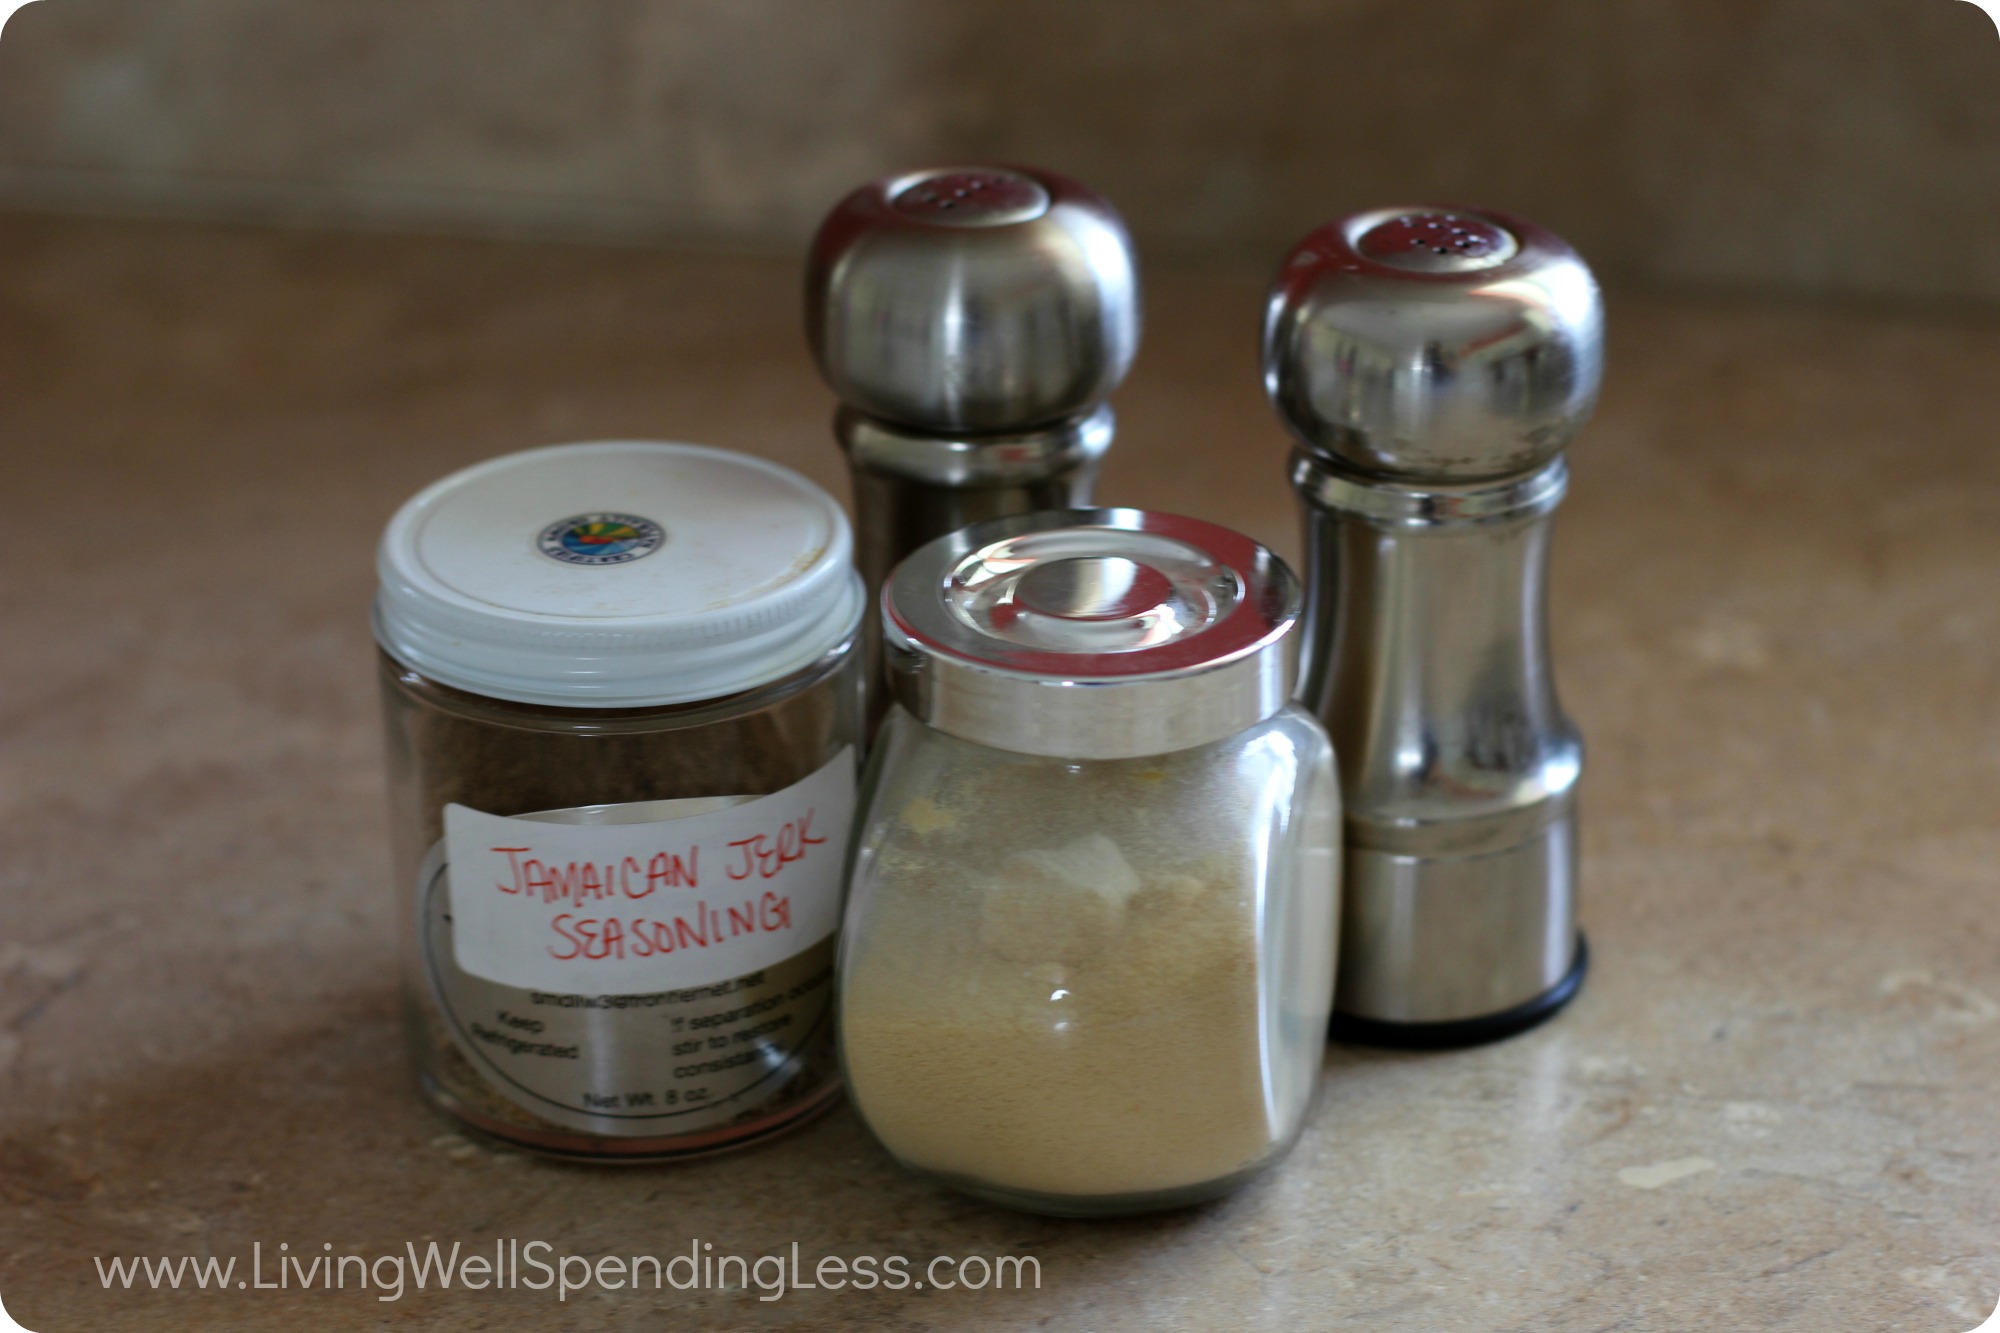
{"points": [[1087, 959], [621, 687]]}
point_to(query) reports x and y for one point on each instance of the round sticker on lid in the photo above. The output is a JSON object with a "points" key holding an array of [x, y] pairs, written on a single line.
{"points": [[600, 539]]}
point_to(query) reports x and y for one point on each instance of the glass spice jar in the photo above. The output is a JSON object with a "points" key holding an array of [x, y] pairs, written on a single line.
{"points": [[623, 710], [1088, 953]]}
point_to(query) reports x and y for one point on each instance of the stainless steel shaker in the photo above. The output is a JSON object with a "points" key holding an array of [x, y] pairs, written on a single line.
{"points": [[973, 321], [1432, 364]]}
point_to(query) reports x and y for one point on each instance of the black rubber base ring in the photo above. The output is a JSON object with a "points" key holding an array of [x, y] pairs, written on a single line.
{"points": [[1359, 1031]]}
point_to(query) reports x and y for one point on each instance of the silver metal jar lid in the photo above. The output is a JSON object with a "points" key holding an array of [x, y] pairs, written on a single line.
{"points": [[1092, 633]]}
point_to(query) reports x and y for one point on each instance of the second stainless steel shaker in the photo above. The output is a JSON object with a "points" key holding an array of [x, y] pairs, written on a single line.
{"points": [[1432, 365], [973, 321]]}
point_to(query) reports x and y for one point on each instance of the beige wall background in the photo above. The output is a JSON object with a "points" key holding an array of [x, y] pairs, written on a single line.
{"points": [[1846, 147]]}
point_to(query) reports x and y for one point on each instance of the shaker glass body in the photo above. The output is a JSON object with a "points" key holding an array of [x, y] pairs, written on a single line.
{"points": [[1090, 987]]}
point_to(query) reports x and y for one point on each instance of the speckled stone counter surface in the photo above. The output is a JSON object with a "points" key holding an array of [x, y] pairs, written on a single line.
{"points": [[1776, 609]]}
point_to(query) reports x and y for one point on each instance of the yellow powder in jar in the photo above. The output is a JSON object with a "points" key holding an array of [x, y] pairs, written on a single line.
{"points": [[1060, 1020]]}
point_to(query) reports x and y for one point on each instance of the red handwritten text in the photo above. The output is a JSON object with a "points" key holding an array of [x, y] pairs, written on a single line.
{"points": [[589, 881], [611, 937], [765, 855]]}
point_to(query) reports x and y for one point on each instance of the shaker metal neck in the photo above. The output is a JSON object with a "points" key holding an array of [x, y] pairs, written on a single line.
{"points": [[975, 461], [1394, 504]]}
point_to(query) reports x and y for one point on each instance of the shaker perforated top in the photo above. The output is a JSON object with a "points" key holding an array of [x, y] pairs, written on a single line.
{"points": [[1433, 241], [971, 197]]}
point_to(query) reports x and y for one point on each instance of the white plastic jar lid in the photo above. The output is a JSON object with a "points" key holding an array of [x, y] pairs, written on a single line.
{"points": [[618, 574]]}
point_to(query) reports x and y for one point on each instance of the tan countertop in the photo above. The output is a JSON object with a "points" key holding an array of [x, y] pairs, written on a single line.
{"points": [[1776, 606]]}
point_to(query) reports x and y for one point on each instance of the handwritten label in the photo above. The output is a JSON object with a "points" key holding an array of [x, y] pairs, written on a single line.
{"points": [[655, 896]]}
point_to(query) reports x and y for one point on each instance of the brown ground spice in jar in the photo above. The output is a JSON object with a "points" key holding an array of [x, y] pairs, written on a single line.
{"points": [[677, 1062]]}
